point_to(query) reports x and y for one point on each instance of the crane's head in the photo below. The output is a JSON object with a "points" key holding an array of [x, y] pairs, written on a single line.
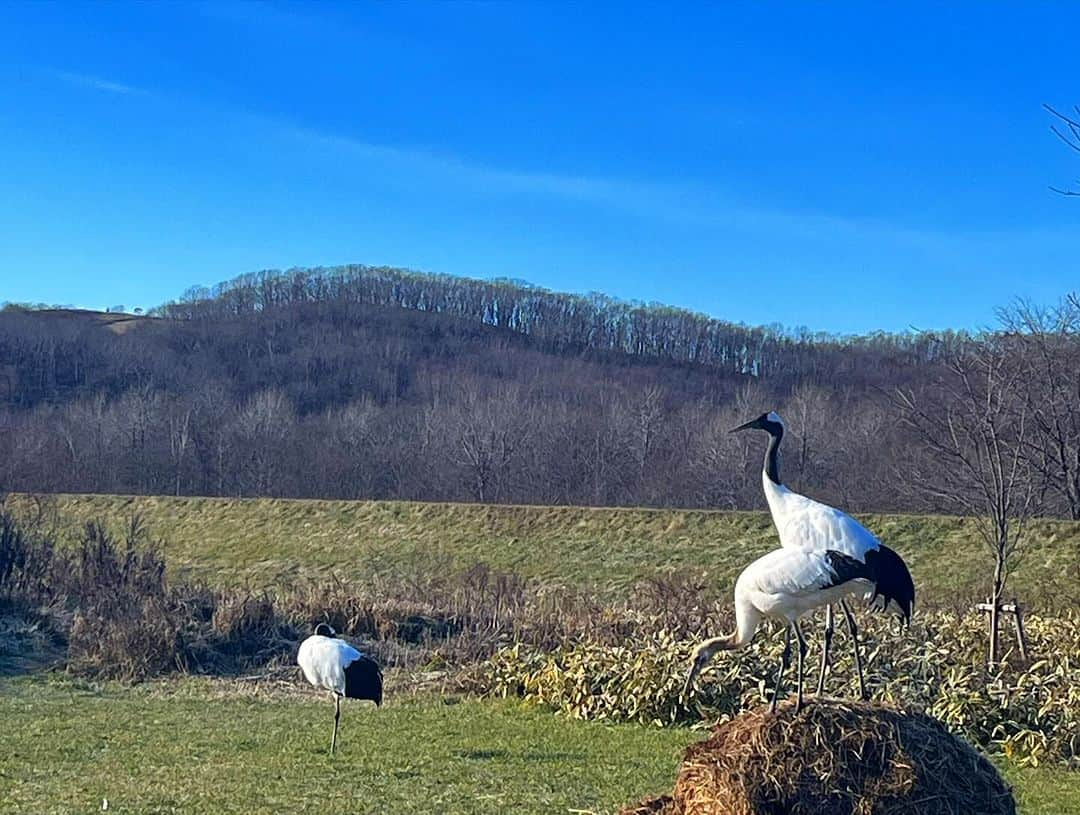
{"points": [[701, 656], [698, 660], [325, 630], [770, 422]]}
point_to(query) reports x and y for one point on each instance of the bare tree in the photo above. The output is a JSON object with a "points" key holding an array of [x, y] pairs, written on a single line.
{"points": [[725, 470], [489, 430], [1066, 128], [811, 412], [1050, 341], [262, 428], [179, 430], [975, 428]]}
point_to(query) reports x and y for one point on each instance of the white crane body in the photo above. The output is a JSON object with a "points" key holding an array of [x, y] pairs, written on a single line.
{"points": [[783, 585], [805, 524], [825, 557], [334, 665], [324, 660]]}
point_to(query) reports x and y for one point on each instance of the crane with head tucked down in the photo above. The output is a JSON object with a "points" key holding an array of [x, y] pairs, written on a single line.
{"points": [[809, 526], [334, 665]]}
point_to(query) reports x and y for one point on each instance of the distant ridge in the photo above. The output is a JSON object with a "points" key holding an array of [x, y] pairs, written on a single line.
{"points": [[373, 382], [560, 320]]}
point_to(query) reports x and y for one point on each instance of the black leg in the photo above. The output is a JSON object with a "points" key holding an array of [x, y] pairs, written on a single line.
{"points": [[802, 654], [829, 629], [337, 718], [854, 631], [785, 659]]}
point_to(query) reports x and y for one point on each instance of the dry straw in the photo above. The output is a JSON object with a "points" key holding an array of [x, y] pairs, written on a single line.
{"points": [[834, 758]]}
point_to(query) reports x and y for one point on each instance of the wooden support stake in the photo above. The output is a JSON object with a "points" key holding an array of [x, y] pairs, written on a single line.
{"points": [[1018, 618], [1012, 608]]}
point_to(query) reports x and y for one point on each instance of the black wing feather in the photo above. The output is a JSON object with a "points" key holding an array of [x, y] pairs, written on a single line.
{"points": [[892, 580], [363, 679]]}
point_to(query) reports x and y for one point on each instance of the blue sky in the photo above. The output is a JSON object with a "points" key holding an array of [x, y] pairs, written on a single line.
{"points": [[841, 167]]}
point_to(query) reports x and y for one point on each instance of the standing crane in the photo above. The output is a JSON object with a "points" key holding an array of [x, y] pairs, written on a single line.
{"points": [[807, 525], [334, 665], [783, 585]]}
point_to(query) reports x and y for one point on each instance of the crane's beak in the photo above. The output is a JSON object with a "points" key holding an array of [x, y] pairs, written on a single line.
{"points": [[688, 686], [698, 660], [750, 425]]}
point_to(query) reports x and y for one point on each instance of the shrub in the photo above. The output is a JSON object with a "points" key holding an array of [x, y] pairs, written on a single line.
{"points": [[1030, 712], [124, 626]]}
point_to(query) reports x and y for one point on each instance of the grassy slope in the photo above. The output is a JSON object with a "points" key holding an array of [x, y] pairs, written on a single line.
{"points": [[262, 542], [198, 746]]}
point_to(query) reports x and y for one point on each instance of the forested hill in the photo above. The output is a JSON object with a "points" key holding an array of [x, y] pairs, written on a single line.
{"points": [[358, 382], [562, 322]]}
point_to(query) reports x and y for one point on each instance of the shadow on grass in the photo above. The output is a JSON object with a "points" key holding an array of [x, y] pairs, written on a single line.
{"points": [[482, 755]]}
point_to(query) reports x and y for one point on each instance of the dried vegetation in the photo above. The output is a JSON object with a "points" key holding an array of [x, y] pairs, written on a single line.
{"points": [[833, 758]]}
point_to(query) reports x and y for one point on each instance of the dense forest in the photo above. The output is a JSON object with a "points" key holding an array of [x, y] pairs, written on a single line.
{"points": [[360, 382]]}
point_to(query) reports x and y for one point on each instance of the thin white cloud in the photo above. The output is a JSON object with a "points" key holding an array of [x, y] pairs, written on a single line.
{"points": [[98, 83], [465, 172], [687, 204]]}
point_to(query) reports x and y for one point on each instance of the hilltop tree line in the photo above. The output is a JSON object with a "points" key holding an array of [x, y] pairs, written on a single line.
{"points": [[359, 382]]}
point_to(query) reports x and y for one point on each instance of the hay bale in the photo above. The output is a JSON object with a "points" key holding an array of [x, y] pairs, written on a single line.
{"points": [[835, 757]]}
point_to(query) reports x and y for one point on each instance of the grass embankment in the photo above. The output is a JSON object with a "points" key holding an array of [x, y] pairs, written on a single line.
{"points": [[204, 746], [268, 542]]}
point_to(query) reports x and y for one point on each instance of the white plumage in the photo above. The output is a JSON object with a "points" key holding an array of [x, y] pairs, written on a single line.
{"points": [[804, 523], [324, 659], [784, 585], [334, 665], [807, 525]]}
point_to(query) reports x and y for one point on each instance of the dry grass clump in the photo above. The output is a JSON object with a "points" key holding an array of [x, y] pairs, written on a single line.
{"points": [[109, 604], [122, 623], [833, 758]]}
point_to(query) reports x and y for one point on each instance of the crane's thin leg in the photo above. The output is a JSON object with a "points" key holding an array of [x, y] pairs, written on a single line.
{"points": [[829, 629], [802, 653], [785, 659], [337, 718], [854, 631]]}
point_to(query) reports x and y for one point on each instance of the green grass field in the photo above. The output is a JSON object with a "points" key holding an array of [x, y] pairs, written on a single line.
{"points": [[201, 745], [267, 542], [212, 746]]}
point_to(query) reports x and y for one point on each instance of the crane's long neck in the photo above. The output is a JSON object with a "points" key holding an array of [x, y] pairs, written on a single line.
{"points": [[747, 620], [775, 492], [772, 457]]}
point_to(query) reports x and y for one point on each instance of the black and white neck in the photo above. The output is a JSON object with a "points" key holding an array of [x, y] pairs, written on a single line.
{"points": [[772, 424], [772, 454]]}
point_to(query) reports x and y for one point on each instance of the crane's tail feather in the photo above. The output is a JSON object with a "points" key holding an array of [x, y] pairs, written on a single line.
{"points": [[885, 571], [892, 581], [363, 679]]}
